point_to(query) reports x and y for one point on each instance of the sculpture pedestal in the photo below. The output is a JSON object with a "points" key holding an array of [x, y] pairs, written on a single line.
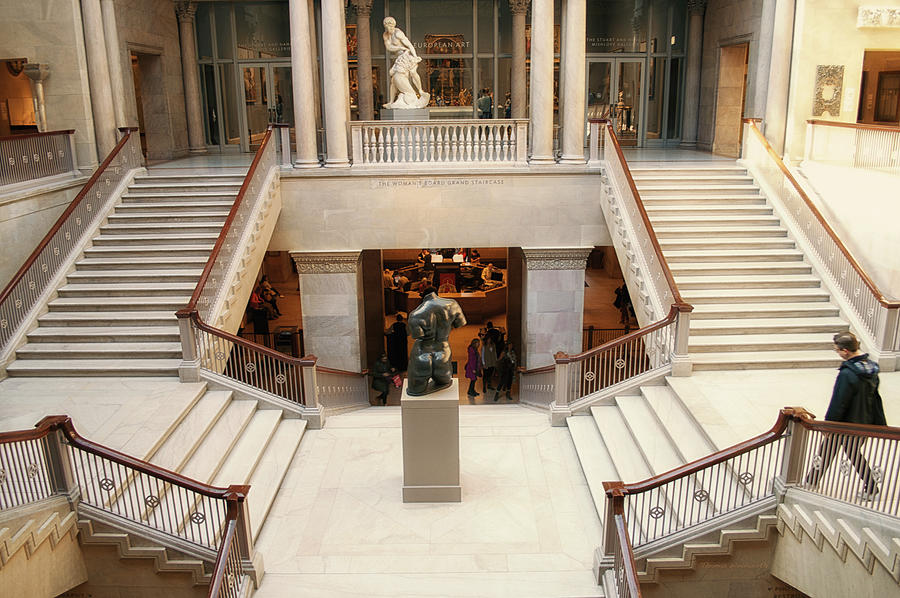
{"points": [[431, 446], [404, 114]]}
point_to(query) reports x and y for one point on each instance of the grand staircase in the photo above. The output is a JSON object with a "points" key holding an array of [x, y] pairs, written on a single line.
{"points": [[116, 313], [757, 302]]}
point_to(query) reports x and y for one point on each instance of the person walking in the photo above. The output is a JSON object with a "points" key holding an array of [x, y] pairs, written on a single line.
{"points": [[489, 359], [382, 374], [506, 366], [473, 367], [855, 399]]}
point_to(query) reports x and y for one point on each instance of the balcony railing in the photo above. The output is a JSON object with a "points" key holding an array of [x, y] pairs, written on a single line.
{"points": [[36, 156], [440, 142], [878, 316], [873, 147], [44, 267], [594, 337]]}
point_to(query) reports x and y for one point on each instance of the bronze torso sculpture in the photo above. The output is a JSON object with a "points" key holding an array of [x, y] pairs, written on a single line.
{"points": [[429, 325]]}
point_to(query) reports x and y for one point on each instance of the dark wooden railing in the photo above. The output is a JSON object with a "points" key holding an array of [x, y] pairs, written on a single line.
{"points": [[43, 267], [37, 155], [594, 337]]}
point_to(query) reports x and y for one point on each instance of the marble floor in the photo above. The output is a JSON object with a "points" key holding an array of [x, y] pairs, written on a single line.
{"points": [[526, 525]]}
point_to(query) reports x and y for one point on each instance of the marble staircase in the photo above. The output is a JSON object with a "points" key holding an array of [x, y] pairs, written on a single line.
{"points": [[757, 302], [115, 315]]}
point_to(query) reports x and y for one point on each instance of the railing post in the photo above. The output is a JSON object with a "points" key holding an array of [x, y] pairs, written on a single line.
{"points": [[559, 408], [189, 369], [312, 410], [681, 361], [286, 158], [62, 476], [615, 502], [251, 561], [521, 142], [594, 149], [71, 139], [808, 145], [886, 337], [356, 143], [794, 455]]}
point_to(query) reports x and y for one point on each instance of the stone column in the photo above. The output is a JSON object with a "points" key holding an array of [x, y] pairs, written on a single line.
{"points": [[775, 121], [189, 71], [364, 59], [304, 73], [689, 120], [37, 73], [518, 96], [573, 82], [114, 58], [336, 83], [98, 78], [553, 311], [542, 82], [330, 297]]}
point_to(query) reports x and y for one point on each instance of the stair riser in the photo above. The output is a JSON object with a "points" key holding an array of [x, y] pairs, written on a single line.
{"points": [[161, 228], [168, 218], [187, 277], [113, 252], [775, 364], [75, 291], [185, 190], [154, 198], [739, 284], [668, 181], [776, 346], [709, 211], [59, 372], [103, 337], [702, 201], [76, 353], [713, 245], [663, 233], [188, 263], [662, 173], [725, 259], [755, 298], [123, 240], [173, 306], [782, 313], [170, 180], [694, 191], [786, 328], [138, 321], [172, 208], [737, 270]]}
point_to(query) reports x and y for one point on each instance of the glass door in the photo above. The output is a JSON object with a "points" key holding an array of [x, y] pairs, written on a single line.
{"points": [[268, 98], [615, 92]]}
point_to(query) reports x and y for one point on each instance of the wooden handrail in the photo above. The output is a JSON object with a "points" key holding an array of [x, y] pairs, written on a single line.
{"points": [[849, 429], [631, 577], [670, 279], [563, 358], [323, 370], [879, 296], [305, 361], [44, 134], [14, 281], [862, 126], [540, 370], [218, 575]]}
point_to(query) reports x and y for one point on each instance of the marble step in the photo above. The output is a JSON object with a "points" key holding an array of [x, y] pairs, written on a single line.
{"points": [[697, 190], [249, 448], [66, 368], [725, 243], [818, 341], [725, 169], [118, 304], [112, 318], [702, 201], [104, 334], [127, 241], [167, 216], [746, 326], [153, 178], [271, 469], [731, 256], [756, 295], [596, 463], [210, 455], [131, 289], [649, 435], [145, 252], [101, 350], [712, 311], [655, 210], [181, 275], [174, 208], [757, 360], [184, 187], [100, 264], [690, 180], [165, 228], [131, 198], [714, 220], [191, 430], [681, 428], [625, 453], [748, 267], [747, 281], [771, 230]]}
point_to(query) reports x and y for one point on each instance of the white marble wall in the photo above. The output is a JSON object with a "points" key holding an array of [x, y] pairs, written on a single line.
{"points": [[399, 212], [331, 301]]}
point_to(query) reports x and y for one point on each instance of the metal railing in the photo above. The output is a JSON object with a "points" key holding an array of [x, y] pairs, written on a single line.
{"points": [[737, 482], [873, 147], [624, 568], [66, 237], [228, 577], [594, 337], [36, 155], [439, 142], [879, 316]]}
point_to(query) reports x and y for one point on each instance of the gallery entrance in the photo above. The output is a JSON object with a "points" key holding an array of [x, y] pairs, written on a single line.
{"points": [[268, 98], [614, 92]]}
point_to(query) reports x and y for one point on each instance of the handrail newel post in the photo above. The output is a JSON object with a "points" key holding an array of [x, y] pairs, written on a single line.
{"points": [[615, 503], [521, 142], [559, 408], [63, 478], [189, 369], [286, 158], [356, 143], [681, 361], [75, 170], [594, 149], [311, 405], [794, 455], [887, 338], [251, 560]]}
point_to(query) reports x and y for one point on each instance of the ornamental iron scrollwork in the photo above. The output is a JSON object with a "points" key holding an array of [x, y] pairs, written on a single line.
{"points": [[657, 512], [620, 363], [845, 467], [701, 495], [151, 501], [280, 379], [746, 478], [589, 376], [107, 484], [198, 518]]}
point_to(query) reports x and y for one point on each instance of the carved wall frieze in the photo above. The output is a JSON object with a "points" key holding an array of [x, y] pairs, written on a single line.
{"points": [[326, 262], [877, 16], [829, 85], [557, 258]]}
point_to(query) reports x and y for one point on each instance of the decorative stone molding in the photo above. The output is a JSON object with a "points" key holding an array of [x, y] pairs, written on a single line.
{"points": [[829, 85], [185, 9], [696, 7], [519, 7], [326, 262], [557, 258], [877, 16], [363, 7]]}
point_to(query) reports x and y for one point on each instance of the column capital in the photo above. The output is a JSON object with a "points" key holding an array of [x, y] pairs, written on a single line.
{"points": [[519, 7], [556, 258], [696, 7], [363, 7], [326, 262], [185, 9], [37, 72]]}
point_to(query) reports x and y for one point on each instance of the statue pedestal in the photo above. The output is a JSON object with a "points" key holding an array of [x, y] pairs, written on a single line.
{"points": [[431, 446], [404, 114]]}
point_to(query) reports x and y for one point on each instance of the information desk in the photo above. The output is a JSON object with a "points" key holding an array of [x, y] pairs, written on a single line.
{"points": [[478, 306]]}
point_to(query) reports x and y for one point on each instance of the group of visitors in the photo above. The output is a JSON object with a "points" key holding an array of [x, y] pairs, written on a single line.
{"points": [[488, 354]]}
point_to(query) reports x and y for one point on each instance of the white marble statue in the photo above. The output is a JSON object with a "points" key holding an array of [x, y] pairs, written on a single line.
{"points": [[406, 86]]}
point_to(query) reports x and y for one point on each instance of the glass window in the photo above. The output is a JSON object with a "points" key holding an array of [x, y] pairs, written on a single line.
{"points": [[502, 94], [615, 26], [678, 34], [204, 33], [208, 91], [674, 100], [504, 28], [656, 98], [486, 88], [396, 9], [659, 26], [376, 27], [440, 18], [263, 30], [449, 80], [224, 41], [486, 25], [231, 94]]}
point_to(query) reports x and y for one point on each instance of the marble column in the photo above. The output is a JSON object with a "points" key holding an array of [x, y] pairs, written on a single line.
{"points": [[573, 83], [542, 82], [190, 73], [553, 310], [518, 96], [114, 58], [331, 291], [689, 120], [336, 83], [98, 77], [775, 122], [38, 73], [364, 57], [303, 75]]}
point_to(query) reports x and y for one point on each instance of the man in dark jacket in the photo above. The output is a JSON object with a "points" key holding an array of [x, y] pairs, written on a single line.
{"points": [[855, 399]]}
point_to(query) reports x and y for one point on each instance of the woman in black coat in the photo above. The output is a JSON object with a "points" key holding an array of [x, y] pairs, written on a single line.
{"points": [[397, 345]]}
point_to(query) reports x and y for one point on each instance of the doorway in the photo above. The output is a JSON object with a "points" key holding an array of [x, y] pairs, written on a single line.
{"points": [[268, 99], [731, 94], [614, 92], [152, 106]]}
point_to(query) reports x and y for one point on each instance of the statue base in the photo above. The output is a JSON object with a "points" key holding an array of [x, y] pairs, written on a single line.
{"points": [[404, 114], [431, 446]]}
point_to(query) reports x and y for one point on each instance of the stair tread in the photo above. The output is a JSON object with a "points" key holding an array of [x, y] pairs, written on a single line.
{"points": [[112, 330], [108, 316], [272, 467], [762, 338], [101, 347], [596, 462], [209, 456], [621, 445], [712, 324], [137, 286], [191, 430], [649, 435], [751, 292], [728, 279], [768, 358], [731, 267], [87, 366], [241, 461], [682, 429]]}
